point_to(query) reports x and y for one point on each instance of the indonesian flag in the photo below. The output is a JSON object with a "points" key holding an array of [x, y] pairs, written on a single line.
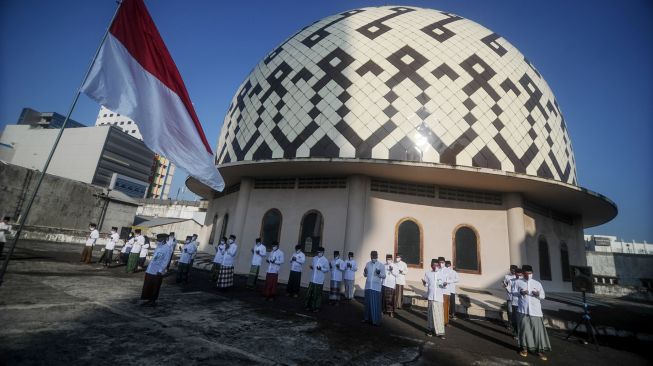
{"points": [[134, 75]]}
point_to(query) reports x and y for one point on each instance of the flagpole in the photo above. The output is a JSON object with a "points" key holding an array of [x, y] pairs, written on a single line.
{"points": [[23, 216]]}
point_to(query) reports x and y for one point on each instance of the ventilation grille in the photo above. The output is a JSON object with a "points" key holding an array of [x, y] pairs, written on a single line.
{"points": [[420, 190], [229, 190], [275, 183], [470, 196], [547, 212], [322, 182]]}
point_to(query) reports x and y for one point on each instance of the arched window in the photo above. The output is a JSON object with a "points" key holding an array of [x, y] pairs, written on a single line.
{"points": [[408, 242], [223, 230], [564, 262], [310, 233], [213, 229], [545, 259], [271, 227], [466, 250]]}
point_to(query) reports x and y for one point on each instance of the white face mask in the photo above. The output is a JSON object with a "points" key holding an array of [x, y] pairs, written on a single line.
{"points": [[113, 231], [274, 248], [231, 241], [350, 257], [320, 254], [91, 228], [389, 261], [373, 260], [398, 259]]}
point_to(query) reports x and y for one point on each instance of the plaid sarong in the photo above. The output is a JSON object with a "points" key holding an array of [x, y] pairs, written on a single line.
{"points": [[225, 277], [334, 293]]}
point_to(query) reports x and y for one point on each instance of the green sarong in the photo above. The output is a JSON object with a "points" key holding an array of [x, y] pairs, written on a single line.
{"points": [[314, 296], [532, 333], [253, 276], [132, 262]]}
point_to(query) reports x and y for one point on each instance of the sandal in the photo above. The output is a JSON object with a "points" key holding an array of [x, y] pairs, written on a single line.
{"points": [[542, 356], [523, 353]]}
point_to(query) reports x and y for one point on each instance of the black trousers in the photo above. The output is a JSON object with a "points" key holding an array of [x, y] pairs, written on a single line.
{"points": [[452, 305], [294, 282], [107, 256]]}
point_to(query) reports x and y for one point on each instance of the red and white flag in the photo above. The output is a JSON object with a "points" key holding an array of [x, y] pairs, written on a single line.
{"points": [[134, 75]]}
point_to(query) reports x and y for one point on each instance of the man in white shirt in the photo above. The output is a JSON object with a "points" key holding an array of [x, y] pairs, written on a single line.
{"points": [[435, 314], [294, 280], [5, 229], [374, 273], [319, 268], [452, 280], [259, 252], [127, 248], [226, 274], [154, 273], [132, 262], [532, 333], [87, 253], [350, 276], [220, 249], [142, 255], [337, 267], [275, 260], [184, 264], [111, 245], [402, 270], [506, 285], [389, 284], [514, 290]]}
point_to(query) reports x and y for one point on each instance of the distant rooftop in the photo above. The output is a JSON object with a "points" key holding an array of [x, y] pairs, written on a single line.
{"points": [[29, 116]]}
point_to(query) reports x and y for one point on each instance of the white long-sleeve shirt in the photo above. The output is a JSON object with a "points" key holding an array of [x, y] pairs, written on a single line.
{"points": [[529, 304], [318, 275], [391, 272], [375, 273], [276, 259], [127, 248], [113, 240], [298, 263], [220, 249], [337, 269], [144, 249], [4, 228], [230, 255], [187, 252], [350, 269], [506, 285], [452, 280], [260, 252], [402, 270], [514, 290], [433, 282], [159, 262], [92, 237], [138, 243]]}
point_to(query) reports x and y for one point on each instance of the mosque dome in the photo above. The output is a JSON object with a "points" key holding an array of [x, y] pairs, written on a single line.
{"points": [[399, 84]]}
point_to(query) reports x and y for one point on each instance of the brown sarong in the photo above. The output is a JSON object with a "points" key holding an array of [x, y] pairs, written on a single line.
{"points": [[87, 254], [151, 287], [445, 306]]}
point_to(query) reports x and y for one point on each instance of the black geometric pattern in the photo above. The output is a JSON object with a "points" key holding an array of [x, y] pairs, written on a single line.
{"points": [[399, 83]]}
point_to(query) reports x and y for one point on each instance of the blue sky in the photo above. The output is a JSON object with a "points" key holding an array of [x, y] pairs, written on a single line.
{"points": [[597, 57]]}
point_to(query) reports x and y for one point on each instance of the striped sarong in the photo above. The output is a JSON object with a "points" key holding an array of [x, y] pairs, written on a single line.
{"points": [[372, 306], [132, 262], [532, 334], [215, 269], [445, 309], [388, 300], [334, 293], [435, 318], [253, 276], [225, 277], [314, 296], [294, 282], [270, 289], [349, 289], [399, 296]]}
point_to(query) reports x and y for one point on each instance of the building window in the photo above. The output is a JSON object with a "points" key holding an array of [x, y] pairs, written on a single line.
{"points": [[564, 262], [408, 241], [133, 131], [466, 250], [104, 115], [223, 230], [111, 115], [271, 227], [122, 123], [118, 115], [213, 229], [545, 259], [129, 122], [310, 236]]}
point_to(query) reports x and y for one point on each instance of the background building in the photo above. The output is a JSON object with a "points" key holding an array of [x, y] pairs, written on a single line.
{"points": [[162, 171], [612, 244], [410, 130], [89, 155], [29, 116]]}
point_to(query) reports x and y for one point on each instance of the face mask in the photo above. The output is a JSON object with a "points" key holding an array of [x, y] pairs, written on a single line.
{"points": [[91, 228], [398, 259], [350, 257], [373, 260], [113, 231], [336, 257], [298, 250], [389, 261], [274, 248], [319, 254], [231, 241]]}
